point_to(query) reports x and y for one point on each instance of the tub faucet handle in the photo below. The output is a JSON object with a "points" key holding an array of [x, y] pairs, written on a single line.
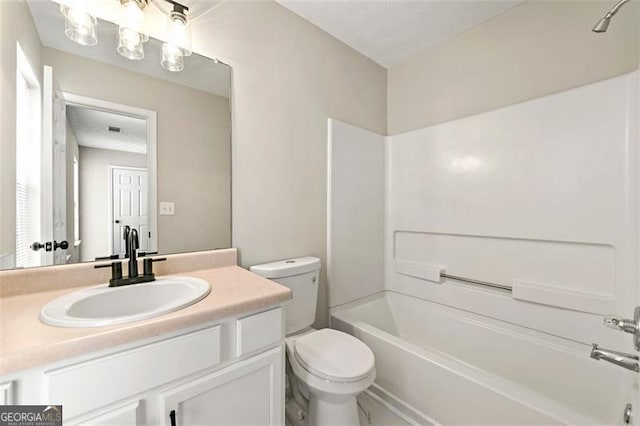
{"points": [[631, 326], [622, 324]]}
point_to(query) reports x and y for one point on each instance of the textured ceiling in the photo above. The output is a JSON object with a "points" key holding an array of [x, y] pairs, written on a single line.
{"points": [[199, 72], [91, 129], [391, 31]]}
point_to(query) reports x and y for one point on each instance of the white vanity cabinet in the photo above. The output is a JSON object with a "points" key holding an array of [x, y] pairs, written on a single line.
{"points": [[241, 394], [227, 372], [129, 414]]}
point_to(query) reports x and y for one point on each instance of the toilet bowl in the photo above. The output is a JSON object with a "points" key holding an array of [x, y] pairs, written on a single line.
{"points": [[330, 368]]}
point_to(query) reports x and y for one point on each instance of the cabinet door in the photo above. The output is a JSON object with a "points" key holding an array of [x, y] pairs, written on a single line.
{"points": [[250, 392], [127, 415]]}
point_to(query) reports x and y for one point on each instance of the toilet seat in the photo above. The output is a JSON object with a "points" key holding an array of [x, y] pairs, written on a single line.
{"points": [[334, 356]]}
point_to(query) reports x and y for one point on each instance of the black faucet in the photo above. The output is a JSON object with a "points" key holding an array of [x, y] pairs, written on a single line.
{"points": [[127, 230], [133, 244]]}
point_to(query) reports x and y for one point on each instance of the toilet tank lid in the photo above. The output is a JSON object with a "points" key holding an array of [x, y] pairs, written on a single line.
{"points": [[287, 268]]}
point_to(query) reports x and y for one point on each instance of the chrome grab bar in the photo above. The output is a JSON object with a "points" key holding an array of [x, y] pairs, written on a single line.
{"points": [[628, 361], [476, 282]]}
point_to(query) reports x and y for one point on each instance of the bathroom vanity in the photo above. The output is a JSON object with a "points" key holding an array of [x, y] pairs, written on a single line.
{"points": [[220, 360]]}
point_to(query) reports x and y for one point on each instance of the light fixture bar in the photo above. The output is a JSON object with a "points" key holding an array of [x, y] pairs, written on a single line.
{"points": [[177, 7]]}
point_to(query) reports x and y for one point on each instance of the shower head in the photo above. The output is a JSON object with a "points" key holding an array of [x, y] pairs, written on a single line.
{"points": [[603, 24]]}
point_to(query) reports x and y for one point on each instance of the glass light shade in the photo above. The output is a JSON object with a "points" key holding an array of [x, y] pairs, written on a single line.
{"points": [[179, 33], [131, 43], [79, 25], [132, 16], [172, 58]]}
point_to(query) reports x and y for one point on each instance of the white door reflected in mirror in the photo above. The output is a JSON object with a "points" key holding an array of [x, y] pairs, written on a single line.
{"points": [[129, 195]]}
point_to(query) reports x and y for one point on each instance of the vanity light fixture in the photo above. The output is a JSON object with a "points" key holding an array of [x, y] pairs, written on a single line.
{"points": [[131, 39], [79, 24], [178, 44]]}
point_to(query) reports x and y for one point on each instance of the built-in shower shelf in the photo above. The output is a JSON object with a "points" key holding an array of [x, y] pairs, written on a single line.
{"points": [[554, 296], [424, 272]]}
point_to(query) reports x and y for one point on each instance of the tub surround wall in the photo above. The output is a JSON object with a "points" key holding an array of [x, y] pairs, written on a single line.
{"points": [[540, 196], [27, 343], [355, 213], [531, 50]]}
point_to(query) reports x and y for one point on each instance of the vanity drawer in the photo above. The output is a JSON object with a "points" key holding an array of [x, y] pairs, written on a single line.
{"points": [[89, 385], [259, 331]]}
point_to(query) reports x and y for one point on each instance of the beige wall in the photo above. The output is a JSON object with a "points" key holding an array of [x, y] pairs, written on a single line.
{"points": [[534, 49], [288, 78], [193, 146], [16, 25]]}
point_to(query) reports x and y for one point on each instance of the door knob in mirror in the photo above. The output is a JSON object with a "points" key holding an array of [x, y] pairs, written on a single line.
{"points": [[60, 245], [36, 246], [49, 246]]}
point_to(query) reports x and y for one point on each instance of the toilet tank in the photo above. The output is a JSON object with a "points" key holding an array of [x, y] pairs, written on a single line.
{"points": [[302, 276]]}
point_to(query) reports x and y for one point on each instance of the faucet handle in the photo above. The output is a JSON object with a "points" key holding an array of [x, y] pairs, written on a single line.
{"points": [[110, 257], [116, 270], [148, 264], [146, 253]]}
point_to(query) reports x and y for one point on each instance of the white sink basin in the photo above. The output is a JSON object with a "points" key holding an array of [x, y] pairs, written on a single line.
{"points": [[103, 305]]}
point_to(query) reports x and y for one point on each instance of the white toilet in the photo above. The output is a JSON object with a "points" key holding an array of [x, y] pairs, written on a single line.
{"points": [[331, 367]]}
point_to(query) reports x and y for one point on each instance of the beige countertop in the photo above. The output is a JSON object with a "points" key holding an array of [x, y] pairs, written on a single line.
{"points": [[25, 342]]}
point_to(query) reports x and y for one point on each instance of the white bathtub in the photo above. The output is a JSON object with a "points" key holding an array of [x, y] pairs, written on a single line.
{"points": [[436, 363]]}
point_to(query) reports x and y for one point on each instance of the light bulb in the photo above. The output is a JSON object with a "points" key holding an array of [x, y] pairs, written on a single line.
{"points": [[130, 37], [179, 33], [79, 25], [130, 44], [132, 15], [172, 58], [178, 44]]}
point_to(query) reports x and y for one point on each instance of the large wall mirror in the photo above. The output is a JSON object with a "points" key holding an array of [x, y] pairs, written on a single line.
{"points": [[94, 144]]}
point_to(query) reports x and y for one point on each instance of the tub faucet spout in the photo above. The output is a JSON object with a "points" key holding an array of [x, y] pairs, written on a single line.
{"points": [[628, 361]]}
